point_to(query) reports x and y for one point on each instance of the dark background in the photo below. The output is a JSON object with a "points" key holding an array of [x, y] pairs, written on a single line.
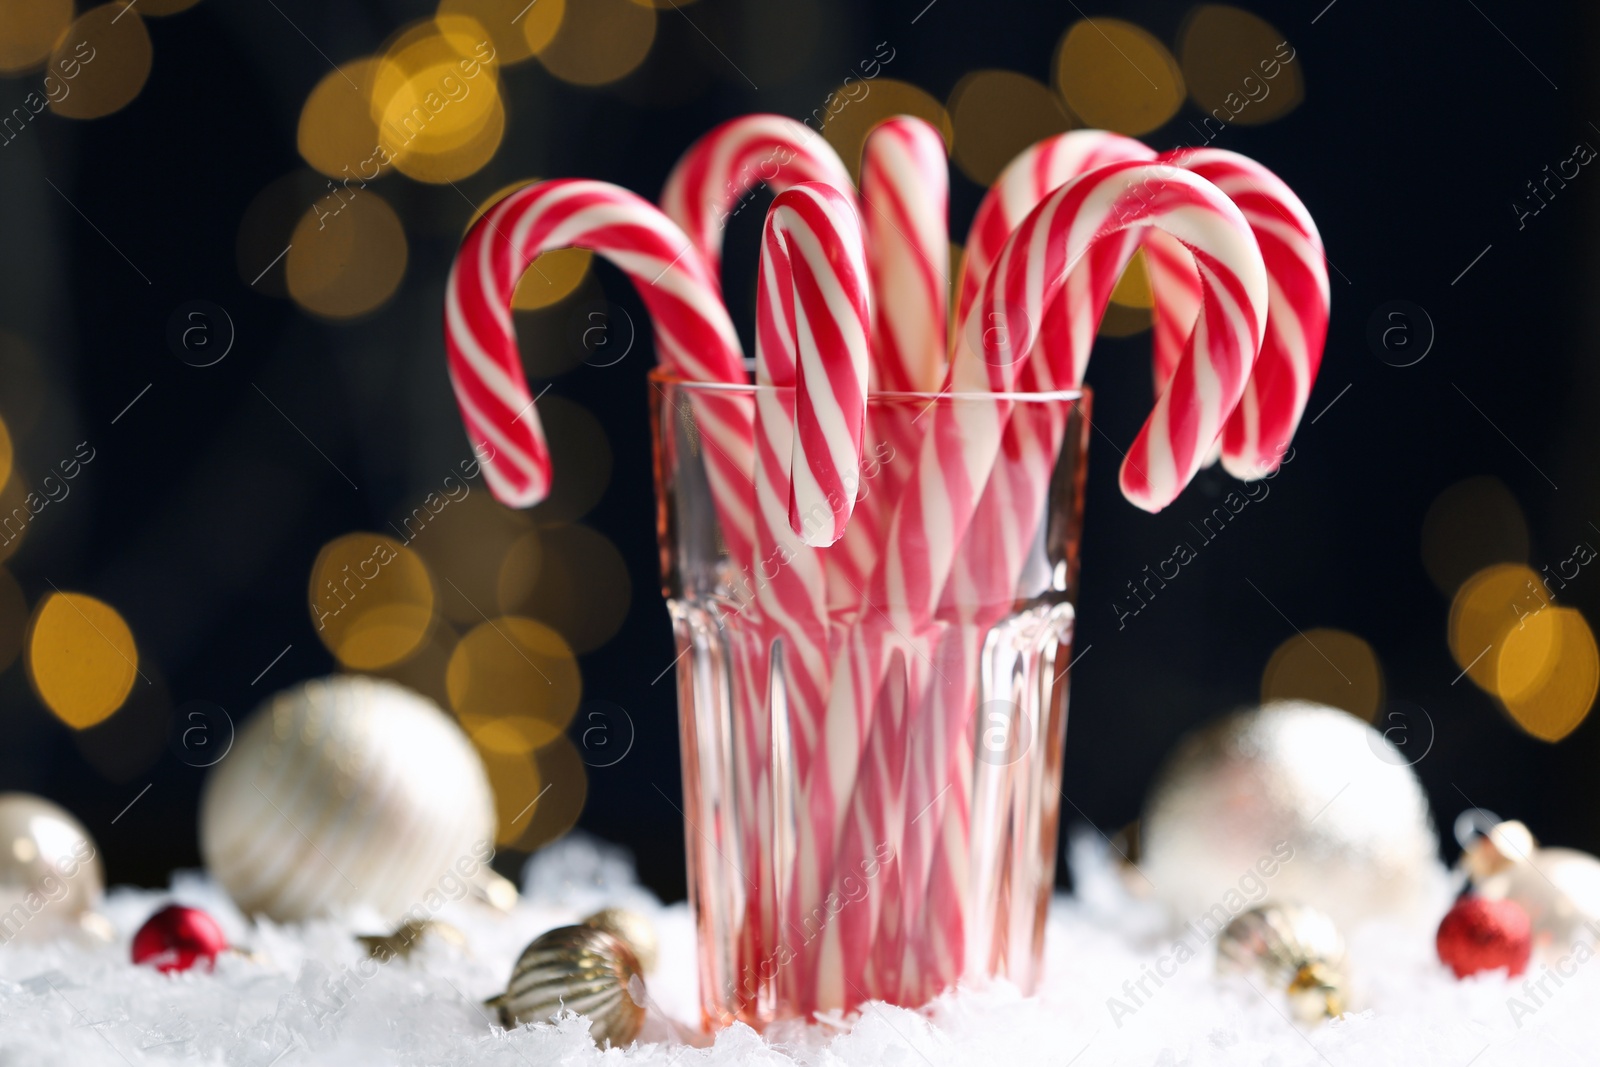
{"points": [[202, 512]]}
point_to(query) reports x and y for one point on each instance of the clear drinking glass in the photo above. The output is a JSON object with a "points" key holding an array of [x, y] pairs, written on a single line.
{"points": [[871, 791]]}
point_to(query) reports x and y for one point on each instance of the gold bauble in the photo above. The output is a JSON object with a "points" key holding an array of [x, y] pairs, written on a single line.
{"points": [[1289, 802], [348, 795], [1291, 948], [50, 874], [580, 968], [633, 930]]}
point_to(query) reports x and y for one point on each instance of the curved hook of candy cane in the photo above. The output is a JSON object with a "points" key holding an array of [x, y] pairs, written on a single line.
{"points": [[710, 181], [1259, 430], [905, 201], [813, 328], [693, 334], [1066, 227], [1034, 174]]}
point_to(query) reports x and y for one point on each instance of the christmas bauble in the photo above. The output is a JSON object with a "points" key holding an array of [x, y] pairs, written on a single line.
{"points": [[50, 874], [1559, 888], [1289, 802], [1479, 934], [1291, 948], [633, 930], [176, 938], [348, 795], [581, 968]]}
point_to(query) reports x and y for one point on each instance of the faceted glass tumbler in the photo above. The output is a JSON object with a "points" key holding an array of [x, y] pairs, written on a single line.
{"points": [[871, 732]]}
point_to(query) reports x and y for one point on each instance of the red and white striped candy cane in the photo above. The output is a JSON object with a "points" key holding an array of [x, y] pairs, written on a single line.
{"points": [[712, 178], [905, 199], [693, 334], [1260, 428]]}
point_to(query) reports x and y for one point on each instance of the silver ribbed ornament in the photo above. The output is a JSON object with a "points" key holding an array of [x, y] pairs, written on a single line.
{"points": [[1292, 948], [580, 968], [633, 930]]}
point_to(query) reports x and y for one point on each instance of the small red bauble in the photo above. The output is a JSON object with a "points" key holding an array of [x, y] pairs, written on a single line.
{"points": [[176, 938], [1480, 934]]}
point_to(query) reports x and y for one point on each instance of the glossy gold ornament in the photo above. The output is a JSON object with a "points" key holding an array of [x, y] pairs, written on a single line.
{"points": [[581, 968], [633, 930], [50, 874], [1559, 888], [348, 795], [1290, 802], [408, 936], [1291, 948]]}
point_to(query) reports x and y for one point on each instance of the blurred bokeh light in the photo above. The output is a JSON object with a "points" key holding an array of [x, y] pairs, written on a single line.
{"points": [[600, 41], [1548, 672], [514, 684], [29, 30], [581, 586], [105, 58], [347, 255], [1116, 76], [1326, 666], [517, 28], [998, 113], [1239, 68], [464, 545], [1470, 525], [337, 133], [1484, 610], [436, 99], [372, 600], [81, 659]]}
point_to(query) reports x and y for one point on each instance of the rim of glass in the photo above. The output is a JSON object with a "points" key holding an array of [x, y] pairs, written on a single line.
{"points": [[665, 377]]}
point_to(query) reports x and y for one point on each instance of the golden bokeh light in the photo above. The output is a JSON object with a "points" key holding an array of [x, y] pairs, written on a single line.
{"points": [[517, 28], [1470, 525], [519, 572], [13, 619], [565, 784], [7, 454], [104, 58], [514, 779], [1133, 288], [436, 99], [514, 684], [580, 455], [1548, 672], [29, 30], [81, 658], [1239, 69], [1326, 666], [346, 256], [371, 599], [581, 586], [847, 117], [1484, 610], [463, 537], [997, 114], [551, 278], [1116, 76], [337, 133], [130, 742], [1120, 320], [600, 41]]}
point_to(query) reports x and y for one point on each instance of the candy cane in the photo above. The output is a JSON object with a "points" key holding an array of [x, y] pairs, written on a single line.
{"points": [[710, 181], [1260, 428]]}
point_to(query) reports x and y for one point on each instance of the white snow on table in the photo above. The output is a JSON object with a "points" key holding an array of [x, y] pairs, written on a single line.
{"points": [[309, 997]]}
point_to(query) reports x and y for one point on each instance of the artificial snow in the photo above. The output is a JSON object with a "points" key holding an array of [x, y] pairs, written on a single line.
{"points": [[308, 995]]}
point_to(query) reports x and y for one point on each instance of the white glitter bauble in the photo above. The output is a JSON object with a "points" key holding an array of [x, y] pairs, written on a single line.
{"points": [[1293, 802], [50, 873], [348, 795]]}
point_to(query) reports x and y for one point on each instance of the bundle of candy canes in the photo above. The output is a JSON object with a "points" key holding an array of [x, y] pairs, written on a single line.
{"points": [[852, 302]]}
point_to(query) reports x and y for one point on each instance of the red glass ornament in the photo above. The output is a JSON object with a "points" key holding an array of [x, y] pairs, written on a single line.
{"points": [[1479, 934], [176, 938]]}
